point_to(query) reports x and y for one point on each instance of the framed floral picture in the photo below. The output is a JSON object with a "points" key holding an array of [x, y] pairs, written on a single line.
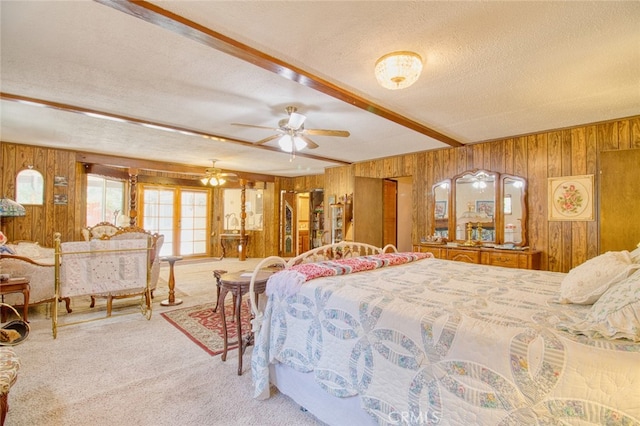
{"points": [[571, 198]]}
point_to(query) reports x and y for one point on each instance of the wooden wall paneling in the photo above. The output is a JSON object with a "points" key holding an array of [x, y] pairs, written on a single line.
{"points": [[509, 156], [566, 161], [8, 184], [578, 167], [537, 194], [464, 157], [591, 164], [557, 230], [624, 140], [607, 136], [497, 156], [520, 158], [634, 132]]}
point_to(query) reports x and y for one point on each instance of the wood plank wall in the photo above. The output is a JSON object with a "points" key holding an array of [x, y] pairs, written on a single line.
{"points": [[564, 152], [536, 157]]}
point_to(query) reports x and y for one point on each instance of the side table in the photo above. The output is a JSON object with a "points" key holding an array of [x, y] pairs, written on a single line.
{"points": [[238, 284], [16, 285], [171, 301]]}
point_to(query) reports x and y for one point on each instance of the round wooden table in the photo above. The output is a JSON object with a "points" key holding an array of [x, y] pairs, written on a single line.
{"points": [[171, 301], [238, 284]]}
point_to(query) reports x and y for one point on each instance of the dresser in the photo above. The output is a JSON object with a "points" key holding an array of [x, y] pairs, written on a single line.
{"points": [[523, 259]]}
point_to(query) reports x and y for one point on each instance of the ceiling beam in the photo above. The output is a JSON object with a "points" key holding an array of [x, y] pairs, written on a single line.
{"points": [[194, 31], [151, 124]]}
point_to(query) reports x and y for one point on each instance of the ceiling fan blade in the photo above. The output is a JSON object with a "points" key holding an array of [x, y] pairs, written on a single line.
{"points": [[265, 140], [323, 132], [296, 120], [310, 144], [255, 127]]}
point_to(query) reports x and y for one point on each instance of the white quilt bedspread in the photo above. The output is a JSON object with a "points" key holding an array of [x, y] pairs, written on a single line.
{"points": [[442, 342]]}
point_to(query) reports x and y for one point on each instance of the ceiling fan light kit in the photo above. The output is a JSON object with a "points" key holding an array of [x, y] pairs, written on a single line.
{"points": [[215, 177], [291, 134], [287, 143], [398, 70]]}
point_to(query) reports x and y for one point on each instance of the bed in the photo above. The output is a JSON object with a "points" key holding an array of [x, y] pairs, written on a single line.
{"points": [[430, 341]]}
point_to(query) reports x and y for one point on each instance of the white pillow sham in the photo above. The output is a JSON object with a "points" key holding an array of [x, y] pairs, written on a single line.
{"points": [[585, 283], [616, 315]]}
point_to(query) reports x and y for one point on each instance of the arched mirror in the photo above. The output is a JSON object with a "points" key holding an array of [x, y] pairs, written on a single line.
{"points": [[30, 187], [475, 207], [440, 218], [514, 208]]}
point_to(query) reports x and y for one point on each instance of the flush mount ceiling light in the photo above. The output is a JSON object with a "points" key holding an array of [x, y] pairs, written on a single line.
{"points": [[398, 70]]}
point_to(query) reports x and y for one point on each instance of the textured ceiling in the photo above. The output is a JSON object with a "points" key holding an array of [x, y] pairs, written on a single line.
{"points": [[492, 70]]}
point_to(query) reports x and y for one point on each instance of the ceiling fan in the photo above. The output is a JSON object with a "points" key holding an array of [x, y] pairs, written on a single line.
{"points": [[216, 177], [291, 134]]}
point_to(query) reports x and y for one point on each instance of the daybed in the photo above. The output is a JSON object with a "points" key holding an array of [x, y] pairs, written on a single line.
{"points": [[35, 263], [129, 233], [434, 341]]}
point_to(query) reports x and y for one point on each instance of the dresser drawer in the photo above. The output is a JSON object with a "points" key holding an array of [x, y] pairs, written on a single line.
{"points": [[509, 260], [469, 256]]}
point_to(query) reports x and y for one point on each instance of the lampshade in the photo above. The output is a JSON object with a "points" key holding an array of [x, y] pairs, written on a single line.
{"points": [[398, 70], [10, 208], [286, 143]]}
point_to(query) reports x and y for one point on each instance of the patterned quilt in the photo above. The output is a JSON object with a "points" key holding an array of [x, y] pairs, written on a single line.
{"points": [[442, 342]]}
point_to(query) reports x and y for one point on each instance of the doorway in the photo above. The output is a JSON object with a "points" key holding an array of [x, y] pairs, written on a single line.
{"points": [[181, 215], [302, 221]]}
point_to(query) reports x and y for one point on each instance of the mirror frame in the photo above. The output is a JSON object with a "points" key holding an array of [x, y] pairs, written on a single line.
{"points": [[523, 203], [497, 206], [499, 219], [448, 208]]}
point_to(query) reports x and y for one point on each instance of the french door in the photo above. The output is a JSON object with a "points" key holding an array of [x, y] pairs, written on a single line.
{"points": [[181, 215]]}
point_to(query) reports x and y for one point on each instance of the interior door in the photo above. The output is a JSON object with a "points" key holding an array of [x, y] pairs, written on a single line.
{"points": [[367, 211], [390, 212], [619, 199]]}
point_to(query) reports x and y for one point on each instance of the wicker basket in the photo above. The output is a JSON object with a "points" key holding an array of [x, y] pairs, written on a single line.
{"points": [[18, 325]]}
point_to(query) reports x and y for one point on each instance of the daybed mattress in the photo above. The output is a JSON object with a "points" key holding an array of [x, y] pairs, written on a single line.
{"points": [[451, 343]]}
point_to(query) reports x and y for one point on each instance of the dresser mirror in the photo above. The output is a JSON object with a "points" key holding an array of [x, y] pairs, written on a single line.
{"points": [[441, 209], [480, 207], [475, 207], [514, 210]]}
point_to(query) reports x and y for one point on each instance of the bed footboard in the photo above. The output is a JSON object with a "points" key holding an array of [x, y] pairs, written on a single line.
{"points": [[342, 250]]}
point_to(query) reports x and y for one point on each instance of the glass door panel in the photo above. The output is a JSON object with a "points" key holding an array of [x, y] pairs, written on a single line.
{"points": [[193, 221]]}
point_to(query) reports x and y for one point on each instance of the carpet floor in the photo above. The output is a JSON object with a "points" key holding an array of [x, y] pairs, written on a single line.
{"points": [[127, 370]]}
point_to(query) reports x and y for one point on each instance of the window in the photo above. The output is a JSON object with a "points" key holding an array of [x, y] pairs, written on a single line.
{"points": [[105, 201], [30, 187]]}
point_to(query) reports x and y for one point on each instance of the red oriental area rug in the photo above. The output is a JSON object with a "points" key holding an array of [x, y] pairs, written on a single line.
{"points": [[204, 327]]}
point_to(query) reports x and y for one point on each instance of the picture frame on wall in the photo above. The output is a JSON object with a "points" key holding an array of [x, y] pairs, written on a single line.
{"points": [[570, 198], [441, 209], [60, 181], [60, 199]]}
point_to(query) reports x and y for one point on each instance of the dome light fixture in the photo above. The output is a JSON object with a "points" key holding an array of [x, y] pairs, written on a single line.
{"points": [[398, 70]]}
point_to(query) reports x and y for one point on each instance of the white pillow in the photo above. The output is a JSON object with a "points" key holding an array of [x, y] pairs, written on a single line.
{"points": [[616, 315], [585, 283]]}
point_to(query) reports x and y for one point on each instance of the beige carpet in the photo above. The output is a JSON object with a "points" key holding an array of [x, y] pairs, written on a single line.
{"points": [[126, 370]]}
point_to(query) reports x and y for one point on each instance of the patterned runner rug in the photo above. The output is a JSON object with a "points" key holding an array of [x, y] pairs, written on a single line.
{"points": [[204, 327]]}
